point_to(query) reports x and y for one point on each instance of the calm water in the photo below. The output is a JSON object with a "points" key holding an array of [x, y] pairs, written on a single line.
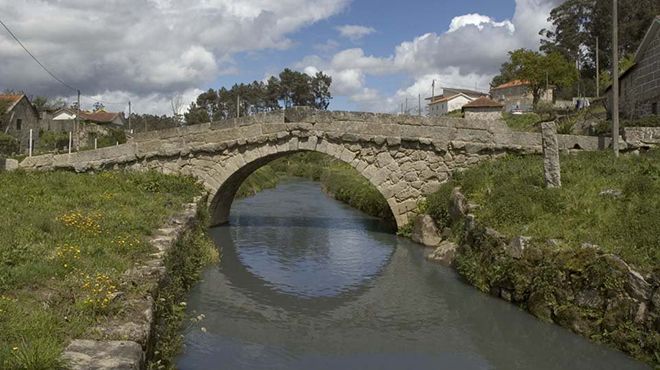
{"points": [[306, 282]]}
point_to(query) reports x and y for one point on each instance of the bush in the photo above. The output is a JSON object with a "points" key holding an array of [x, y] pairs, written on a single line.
{"points": [[114, 136], [52, 140], [522, 122], [8, 145]]}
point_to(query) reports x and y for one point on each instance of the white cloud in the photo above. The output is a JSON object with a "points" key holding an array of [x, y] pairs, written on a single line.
{"points": [[477, 20], [150, 48], [470, 52], [355, 32]]}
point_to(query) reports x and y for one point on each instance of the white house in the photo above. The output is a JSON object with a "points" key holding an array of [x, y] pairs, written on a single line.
{"points": [[451, 99]]}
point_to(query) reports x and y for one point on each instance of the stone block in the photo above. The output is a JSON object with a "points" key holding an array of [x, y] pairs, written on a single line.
{"points": [[8, 164], [425, 232], [103, 355], [551, 167]]}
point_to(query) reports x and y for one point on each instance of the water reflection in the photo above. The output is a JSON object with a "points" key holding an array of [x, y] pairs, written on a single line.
{"points": [[308, 283]]}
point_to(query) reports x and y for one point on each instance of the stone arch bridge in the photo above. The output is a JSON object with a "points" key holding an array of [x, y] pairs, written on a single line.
{"points": [[404, 157]]}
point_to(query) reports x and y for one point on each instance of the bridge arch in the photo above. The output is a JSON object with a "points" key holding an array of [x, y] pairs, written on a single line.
{"points": [[223, 177]]}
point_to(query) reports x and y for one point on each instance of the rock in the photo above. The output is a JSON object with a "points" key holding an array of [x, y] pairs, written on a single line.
{"points": [[517, 246], [539, 307], [589, 299], [614, 193], [425, 232], [506, 295], [444, 254], [655, 299], [103, 355], [552, 170], [458, 206], [640, 316], [8, 164]]}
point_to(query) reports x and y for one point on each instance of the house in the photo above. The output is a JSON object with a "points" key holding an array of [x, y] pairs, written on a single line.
{"points": [[102, 117], [483, 108], [517, 95], [450, 100], [18, 117], [639, 85]]}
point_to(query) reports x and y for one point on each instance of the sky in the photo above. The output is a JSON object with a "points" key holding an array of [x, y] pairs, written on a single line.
{"points": [[379, 53]]}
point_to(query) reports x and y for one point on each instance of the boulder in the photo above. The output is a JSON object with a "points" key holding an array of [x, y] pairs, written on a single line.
{"points": [[458, 205], [444, 254], [425, 232], [517, 246]]}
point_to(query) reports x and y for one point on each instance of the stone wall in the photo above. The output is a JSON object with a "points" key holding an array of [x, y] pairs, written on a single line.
{"points": [[642, 137], [122, 343], [585, 289], [404, 157]]}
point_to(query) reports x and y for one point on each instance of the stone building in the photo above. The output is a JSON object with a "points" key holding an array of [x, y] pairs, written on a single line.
{"points": [[483, 109], [516, 96], [639, 86], [18, 117], [450, 100]]}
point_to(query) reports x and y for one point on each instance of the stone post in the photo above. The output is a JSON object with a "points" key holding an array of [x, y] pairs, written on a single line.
{"points": [[552, 171]]}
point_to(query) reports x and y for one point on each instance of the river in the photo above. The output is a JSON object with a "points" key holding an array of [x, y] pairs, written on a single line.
{"points": [[306, 282]]}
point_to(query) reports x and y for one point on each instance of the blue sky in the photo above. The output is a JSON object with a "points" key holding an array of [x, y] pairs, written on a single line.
{"points": [[151, 51], [393, 23]]}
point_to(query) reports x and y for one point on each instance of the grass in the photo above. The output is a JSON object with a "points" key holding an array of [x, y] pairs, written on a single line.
{"points": [[522, 122], [66, 240], [512, 199]]}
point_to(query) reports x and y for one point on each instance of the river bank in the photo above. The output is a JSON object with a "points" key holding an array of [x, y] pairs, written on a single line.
{"points": [[585, 256], [69, 241]]}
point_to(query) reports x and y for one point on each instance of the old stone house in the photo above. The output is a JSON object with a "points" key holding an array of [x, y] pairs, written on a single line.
{"points": [[516, 96], [450, 100], [18, 117], [639, 86], [483, 108]]}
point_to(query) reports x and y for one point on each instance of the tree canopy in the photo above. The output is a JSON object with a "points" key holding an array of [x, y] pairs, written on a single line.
{"points": [[577, 24], [290, 88], [539, 69]]}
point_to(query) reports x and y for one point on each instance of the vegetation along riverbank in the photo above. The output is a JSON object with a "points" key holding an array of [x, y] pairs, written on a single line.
{"points": [[67, 241], [585, 256]]}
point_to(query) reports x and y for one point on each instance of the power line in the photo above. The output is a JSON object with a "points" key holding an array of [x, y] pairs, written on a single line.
{"points": [[51, 73], [35, 58]]}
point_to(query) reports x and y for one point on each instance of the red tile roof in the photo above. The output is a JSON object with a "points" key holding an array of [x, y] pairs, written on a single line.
{"points": [[513, 83], [100, 116], [483, 102], [12, 99]]}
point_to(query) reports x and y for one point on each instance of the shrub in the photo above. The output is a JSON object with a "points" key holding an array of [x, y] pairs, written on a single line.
{"points": [[52, 140], [8, 145]]}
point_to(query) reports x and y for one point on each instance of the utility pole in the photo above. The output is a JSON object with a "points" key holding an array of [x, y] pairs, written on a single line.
{"points": [[597, 70], [419, 105], [615, 78], [77, 125], [129, 117], [433, 91], [238, 106], [406, 111]]}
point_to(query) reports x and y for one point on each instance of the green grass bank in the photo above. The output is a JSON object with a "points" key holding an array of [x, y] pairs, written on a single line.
{"points": [[574, 270], [66, 241]]}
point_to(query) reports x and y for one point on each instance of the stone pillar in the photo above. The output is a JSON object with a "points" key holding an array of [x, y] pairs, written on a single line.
{"points": [[552, 171]]}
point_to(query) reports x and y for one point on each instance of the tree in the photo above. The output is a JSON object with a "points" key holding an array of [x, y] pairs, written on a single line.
{"points": [[43, 103], [538, 69], [577, 23], [321, 90], [98, 106]]}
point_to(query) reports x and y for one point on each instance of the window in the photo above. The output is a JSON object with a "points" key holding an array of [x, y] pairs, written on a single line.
{"points": [[19, 124], [654, 108]]}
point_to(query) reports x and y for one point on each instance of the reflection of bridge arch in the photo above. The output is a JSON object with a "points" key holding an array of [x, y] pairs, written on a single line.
{"points": [[403, 157], [237, 273]]}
